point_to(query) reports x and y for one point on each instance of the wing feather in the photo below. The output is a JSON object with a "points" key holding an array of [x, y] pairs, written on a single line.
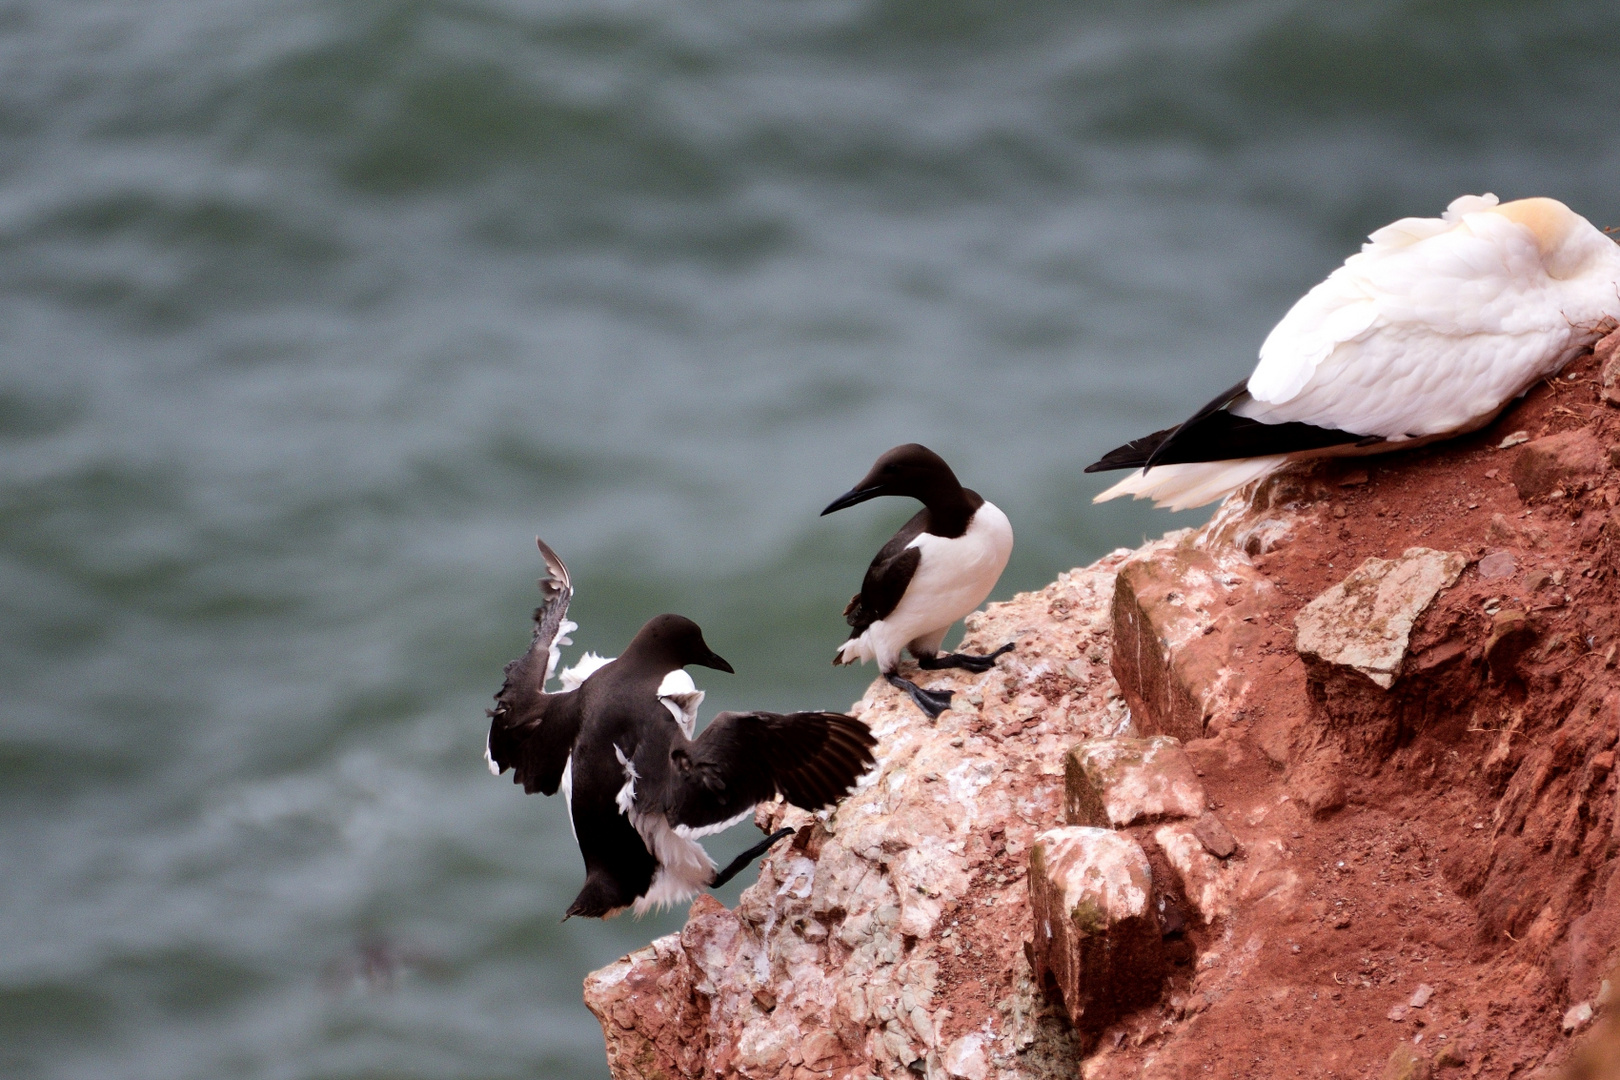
{"points": [[812, 759], [532, 732], [1463, 297], [886, 579]]}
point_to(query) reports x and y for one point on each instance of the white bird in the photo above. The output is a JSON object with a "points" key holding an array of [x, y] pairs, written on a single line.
{"points": [[1426, 333]]}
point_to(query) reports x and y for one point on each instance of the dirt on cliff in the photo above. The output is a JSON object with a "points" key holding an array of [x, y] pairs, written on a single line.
{"points": [[1431, 884]]}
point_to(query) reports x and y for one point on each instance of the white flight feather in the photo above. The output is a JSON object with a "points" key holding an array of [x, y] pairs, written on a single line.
{"points": [[953, 577], [1429, 330]]}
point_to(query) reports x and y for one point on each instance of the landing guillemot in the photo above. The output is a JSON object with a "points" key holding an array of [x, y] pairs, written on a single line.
{"points": [[641, 790], [1426, 333], [935, 570]]}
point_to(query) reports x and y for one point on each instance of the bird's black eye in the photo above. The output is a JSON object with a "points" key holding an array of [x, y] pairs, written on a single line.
{"points": [[891, 467]]}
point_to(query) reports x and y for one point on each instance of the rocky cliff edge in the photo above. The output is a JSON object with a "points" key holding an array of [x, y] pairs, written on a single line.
{"points": [[1325, 788]]}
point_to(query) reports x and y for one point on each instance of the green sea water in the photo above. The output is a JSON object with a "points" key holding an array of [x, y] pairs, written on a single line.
{"points": [[313, 313]]}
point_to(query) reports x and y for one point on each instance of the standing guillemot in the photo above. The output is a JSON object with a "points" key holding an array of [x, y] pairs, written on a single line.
{"points": [[1426, 333], [640, 789], [935, 570]]}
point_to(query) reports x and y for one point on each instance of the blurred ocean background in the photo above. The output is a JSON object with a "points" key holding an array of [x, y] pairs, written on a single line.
{"points": [[313, 313]]}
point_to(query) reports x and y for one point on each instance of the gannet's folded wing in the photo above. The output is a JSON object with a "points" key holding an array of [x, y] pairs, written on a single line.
{"points": [[1427, 332], [1416, 335], [1214, 433]]}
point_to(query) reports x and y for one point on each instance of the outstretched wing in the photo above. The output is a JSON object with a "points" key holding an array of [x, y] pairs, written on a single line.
{"points": [[886, 579], [742, 759], [532, 732]]}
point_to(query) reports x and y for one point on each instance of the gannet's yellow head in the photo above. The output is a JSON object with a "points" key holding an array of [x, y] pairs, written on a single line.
{"points": [[1568, 242]]}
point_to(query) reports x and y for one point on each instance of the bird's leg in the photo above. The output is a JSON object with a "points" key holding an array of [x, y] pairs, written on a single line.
{"points": [[740, 863], [962, 660], [932, 702]]}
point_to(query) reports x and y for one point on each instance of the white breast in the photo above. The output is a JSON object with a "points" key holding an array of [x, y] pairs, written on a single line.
{"points": [[953, 576]]}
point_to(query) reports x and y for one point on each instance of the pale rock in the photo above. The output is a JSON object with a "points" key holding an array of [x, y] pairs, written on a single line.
{"points": [[922, 1024], [1096, 934], [1112, 783], [1209, 883], [1179, 614], [965, 1058], [763, 1047], [831, 963], [1577, 1016], [1365, 622]]}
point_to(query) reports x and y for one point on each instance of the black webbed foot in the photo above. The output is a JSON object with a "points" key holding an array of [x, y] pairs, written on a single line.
{"points": [[932, 702], [962, 660], [740, 863]]}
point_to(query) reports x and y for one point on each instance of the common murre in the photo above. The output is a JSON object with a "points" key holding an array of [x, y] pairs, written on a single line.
{"points": [[1426, 333], [641, 789], [935, 570]]}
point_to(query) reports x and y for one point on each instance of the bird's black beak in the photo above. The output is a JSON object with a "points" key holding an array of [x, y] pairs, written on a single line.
{"points": [[852, 496], [716, 661]]}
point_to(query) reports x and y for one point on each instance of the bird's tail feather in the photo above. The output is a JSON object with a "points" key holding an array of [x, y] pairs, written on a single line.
{"points": [[1181, 487]]}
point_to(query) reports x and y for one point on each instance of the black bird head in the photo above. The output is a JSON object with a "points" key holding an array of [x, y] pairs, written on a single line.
{"points": [[670, 642], [912, 470]]}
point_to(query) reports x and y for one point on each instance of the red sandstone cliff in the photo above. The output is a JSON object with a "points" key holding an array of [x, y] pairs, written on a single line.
{"points": [[1385, 846]]}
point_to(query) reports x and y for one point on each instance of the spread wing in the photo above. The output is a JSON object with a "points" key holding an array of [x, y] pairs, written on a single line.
{"points": [[532, 732], [886, 579], [742, 759]]}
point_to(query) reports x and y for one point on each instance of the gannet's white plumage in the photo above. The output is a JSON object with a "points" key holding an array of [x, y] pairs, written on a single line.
{"points": [[1427, 332]]}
